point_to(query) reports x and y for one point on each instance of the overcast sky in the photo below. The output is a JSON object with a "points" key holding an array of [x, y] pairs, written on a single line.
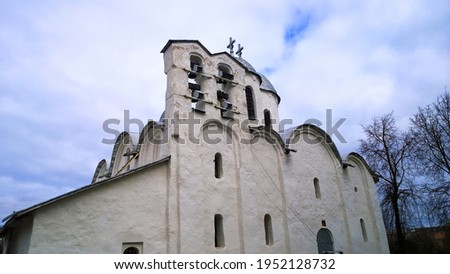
{"points": [[67, 66]]}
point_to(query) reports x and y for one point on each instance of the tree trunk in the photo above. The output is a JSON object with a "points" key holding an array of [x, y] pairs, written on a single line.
{"points": [[398, 227]]}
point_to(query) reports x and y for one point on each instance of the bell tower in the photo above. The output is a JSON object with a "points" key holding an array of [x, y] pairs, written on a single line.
{"points": [[220, 86]]}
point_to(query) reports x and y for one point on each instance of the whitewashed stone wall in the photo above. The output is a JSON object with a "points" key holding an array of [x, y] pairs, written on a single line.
{"points": [[129, 209]]}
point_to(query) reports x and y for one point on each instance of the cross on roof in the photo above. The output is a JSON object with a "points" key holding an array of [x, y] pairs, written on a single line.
{"points": [[239, 51], [231, 45]]}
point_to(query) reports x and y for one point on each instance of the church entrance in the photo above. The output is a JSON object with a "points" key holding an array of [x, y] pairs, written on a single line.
{"points": [[325, 241]]}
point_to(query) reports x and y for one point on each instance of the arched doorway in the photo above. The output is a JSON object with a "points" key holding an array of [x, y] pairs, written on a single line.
{"points": [[325, 241]]}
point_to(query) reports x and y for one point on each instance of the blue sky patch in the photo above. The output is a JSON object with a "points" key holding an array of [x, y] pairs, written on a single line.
{"points": [[295, 31], [268, 70]]}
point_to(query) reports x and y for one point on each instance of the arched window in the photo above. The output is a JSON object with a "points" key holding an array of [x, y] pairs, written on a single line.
{"points": [[196, 66], [325, 241], [218, 170], [317, 188], [268, 229], [250, 103], [267, 119], [197, 95], [131, 250], [132, 247], [363, 230], [225, 74], [219, 239]]}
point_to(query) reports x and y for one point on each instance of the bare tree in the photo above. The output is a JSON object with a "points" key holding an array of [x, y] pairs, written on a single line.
{"points": [[387, 151], [431, 131]]}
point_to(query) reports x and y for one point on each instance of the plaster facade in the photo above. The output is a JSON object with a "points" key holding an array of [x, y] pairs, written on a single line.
{"points": [[214, 175]]}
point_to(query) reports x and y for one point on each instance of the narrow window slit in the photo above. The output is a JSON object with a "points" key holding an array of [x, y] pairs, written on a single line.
{"points": [[218, 169], [268, 229], [317, 188], [363, 230], [219, 239]]}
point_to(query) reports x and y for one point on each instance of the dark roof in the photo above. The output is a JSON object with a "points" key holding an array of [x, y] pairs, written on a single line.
{"points": [[267, 85], [246, 64]]}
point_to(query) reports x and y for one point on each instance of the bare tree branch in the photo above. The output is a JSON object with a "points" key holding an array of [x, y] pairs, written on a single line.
{"points": [[387, 150], [431, 130]]}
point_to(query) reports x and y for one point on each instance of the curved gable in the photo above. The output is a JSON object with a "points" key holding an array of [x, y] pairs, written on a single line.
{"points": [[122, 144], [150, 140], [320, 136], [100, 172], [270, 135], [353, 156]]}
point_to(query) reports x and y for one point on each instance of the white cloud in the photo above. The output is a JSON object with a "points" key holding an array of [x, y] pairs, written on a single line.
{"points": [[368, 58]]}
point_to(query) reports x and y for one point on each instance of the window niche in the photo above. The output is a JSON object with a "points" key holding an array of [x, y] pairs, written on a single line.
{"points": [[218, 169], [225, 75], [363, 230], [219, 239], [196, 67], [223, 79], [250, 103], [225, 105], [268, 229], [267, 119], [197, 95], [132, 248], [317, 188]]}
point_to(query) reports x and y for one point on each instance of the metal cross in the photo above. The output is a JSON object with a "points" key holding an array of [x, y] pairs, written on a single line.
{"points": [[239, 51], [231, 45]]}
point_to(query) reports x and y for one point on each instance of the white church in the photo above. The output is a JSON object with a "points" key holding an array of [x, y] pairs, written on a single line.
{"points": [[213, 175]]}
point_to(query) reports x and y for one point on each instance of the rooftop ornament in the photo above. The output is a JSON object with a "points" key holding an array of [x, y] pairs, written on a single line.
{"points": [[239, 51], [231, 47]]}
